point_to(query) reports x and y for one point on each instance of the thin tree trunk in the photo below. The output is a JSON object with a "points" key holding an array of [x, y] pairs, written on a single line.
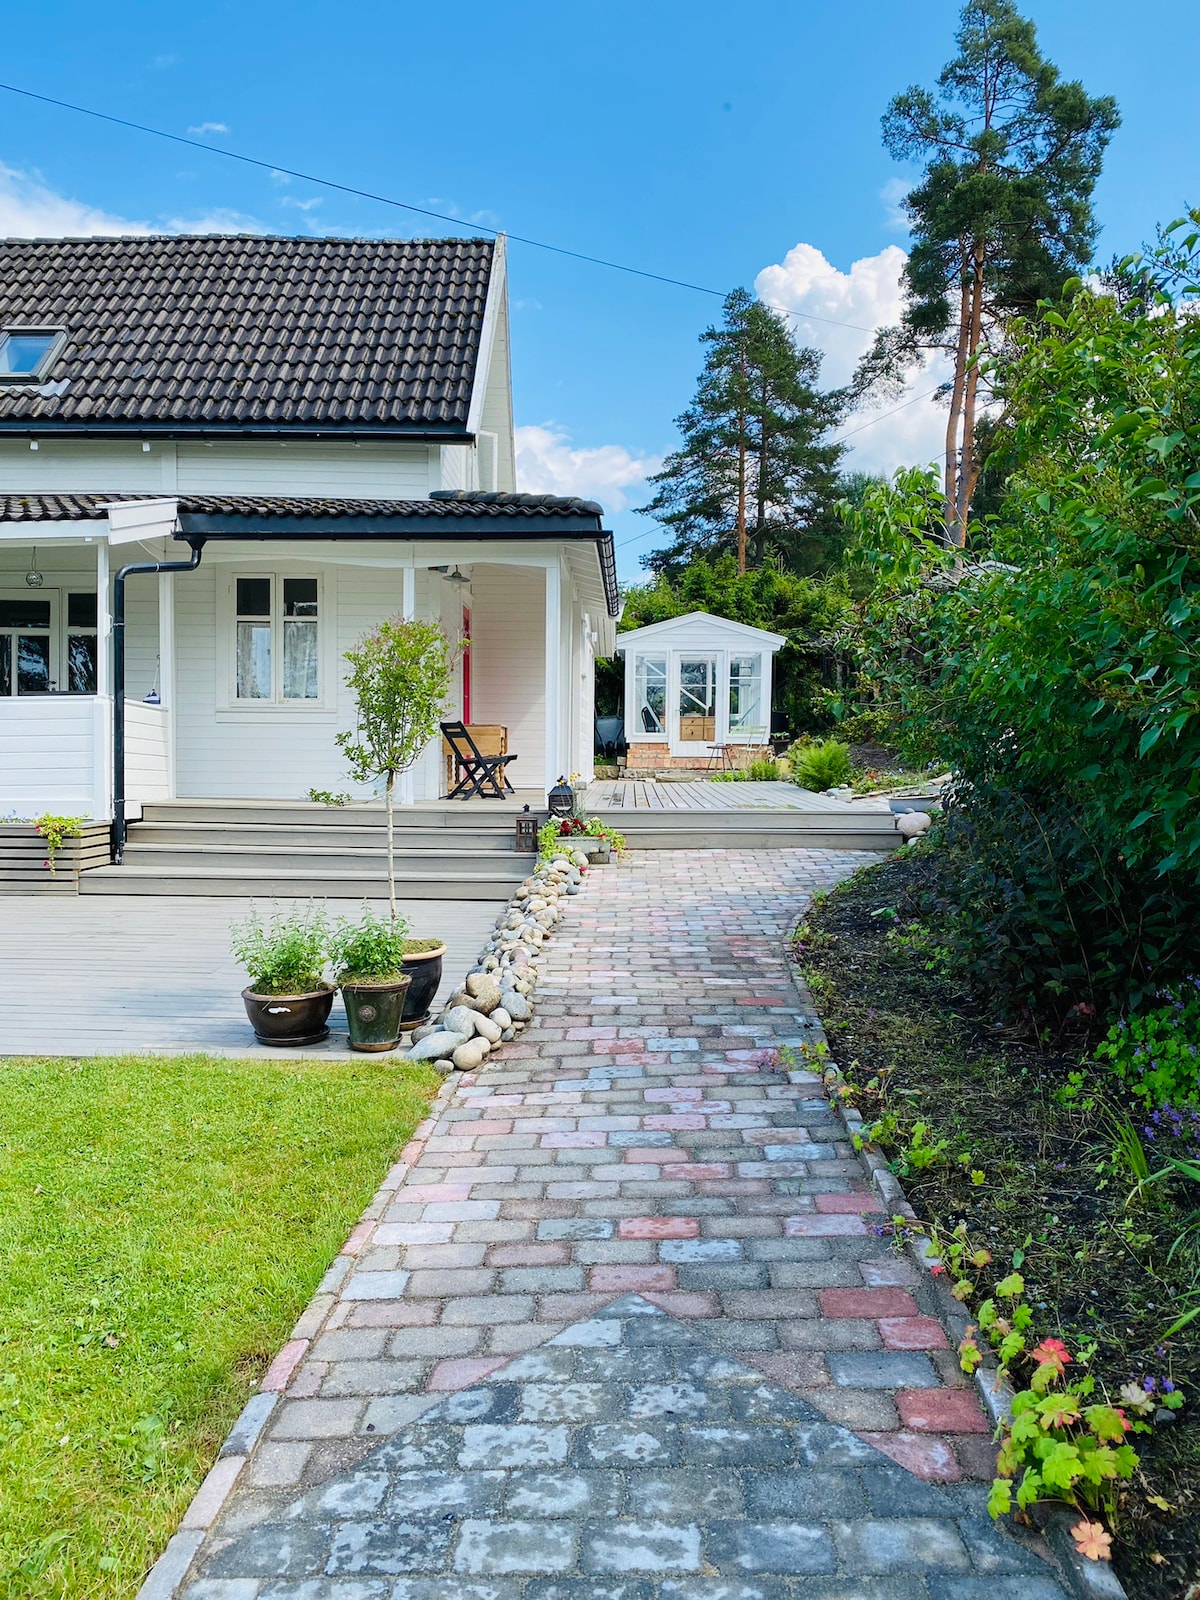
{"points": [[741, 506], [391, 842], [966, 472], [956, 402]]}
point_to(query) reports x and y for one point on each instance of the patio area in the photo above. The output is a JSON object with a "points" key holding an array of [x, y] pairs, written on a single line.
{"points": [[700, 794], [96, 976]]}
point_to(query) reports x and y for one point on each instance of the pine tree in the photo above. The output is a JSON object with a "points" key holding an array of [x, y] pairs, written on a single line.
{"points": [[1001, 218], [755, 471]]}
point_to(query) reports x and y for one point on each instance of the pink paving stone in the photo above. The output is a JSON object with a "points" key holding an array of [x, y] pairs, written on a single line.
{"points": [[847, 1204], [913, 1333], [284, 1364], [572, 1141], [868, 1303], [923, 1455], [460, 1373], [678, 1119], [412, 1151], [357, 1237], [659, 1228], [941, 1411], [674, 1094], [591, 1033], [480, 1129], [648, 1155], [695, 1171], [822, 1227], [616, 1279], [686, 1303]]}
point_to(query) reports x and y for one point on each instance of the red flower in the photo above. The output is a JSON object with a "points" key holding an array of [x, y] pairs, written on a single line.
{"points": [[1051, 1353]]}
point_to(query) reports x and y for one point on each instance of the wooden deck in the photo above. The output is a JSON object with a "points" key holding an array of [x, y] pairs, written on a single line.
{"points": [[638, 794]]}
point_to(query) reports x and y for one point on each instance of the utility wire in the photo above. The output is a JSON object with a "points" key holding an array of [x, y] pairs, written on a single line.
{"points": [[404, 205]]}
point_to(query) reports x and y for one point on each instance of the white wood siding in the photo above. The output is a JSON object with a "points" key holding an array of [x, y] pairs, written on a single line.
{"points": [[52, 755], [497, 408], [508, 656], [317, 467], [147, 753]]}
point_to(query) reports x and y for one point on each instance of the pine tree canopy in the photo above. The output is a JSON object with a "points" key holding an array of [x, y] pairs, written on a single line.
{"points": [[755, 474]]}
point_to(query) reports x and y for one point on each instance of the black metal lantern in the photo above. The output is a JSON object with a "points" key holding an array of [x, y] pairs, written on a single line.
{"points": [[562, 799], [527, 831]]}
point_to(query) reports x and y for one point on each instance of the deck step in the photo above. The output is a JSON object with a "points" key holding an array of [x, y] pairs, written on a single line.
{"points": [[266, 884], [224, 835], [279, 855]]}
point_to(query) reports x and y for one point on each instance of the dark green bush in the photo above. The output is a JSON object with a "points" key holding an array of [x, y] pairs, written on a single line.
{"points": [[820, 764]]}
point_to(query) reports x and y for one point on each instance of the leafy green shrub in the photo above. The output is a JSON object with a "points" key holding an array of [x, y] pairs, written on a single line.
{"points": [[823, 764], [1038, 906], [369, 950], [56, 831], [1157, 1052], [765, 769], [285, 955], [867, 727]]}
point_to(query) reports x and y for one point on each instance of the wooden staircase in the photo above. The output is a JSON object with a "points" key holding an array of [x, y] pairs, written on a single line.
{"points": [[268, 849]]}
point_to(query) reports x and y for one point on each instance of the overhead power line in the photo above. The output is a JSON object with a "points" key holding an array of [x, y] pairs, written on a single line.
{"points": [[405, 205]]}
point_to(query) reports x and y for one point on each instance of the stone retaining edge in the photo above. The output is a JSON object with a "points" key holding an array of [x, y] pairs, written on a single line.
{"points": [[169, 1573], [1086, 1579]]}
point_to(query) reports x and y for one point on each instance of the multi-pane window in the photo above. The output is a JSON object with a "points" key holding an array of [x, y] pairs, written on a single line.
{"points": [[276, 638], [26, 643], [650, 691], [81, 643], [745, 694]]}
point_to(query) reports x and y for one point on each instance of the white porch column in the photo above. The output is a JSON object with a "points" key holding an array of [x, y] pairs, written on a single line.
{"points": [[166, 667], [554, 686], [408, 610], [103, 621]]}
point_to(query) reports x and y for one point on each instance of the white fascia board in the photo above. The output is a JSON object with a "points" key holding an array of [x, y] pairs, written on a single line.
{"points": [[699, 627], [496, 292], [130, 521]]}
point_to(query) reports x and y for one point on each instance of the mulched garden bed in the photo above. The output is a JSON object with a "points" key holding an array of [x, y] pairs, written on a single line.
{"points": [[1094, 1269]]}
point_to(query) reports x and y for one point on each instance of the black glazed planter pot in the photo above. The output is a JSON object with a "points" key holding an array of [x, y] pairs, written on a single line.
{"points": [[424, 967], [289, 1019], [374, 1012]]}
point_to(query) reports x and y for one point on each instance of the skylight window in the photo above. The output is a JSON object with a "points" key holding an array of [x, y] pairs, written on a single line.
{"points": [[26, 353]]}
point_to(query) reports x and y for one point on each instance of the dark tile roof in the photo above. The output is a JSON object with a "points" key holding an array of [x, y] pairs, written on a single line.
{"points": [[213, 333], [446, 503]]}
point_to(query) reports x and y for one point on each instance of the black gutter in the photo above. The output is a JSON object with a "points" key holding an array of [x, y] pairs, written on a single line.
{"points": [[118, 627], [482, 530]]}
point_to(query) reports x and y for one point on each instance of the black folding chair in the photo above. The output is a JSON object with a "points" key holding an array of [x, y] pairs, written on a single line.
{"points": [[481, 775]]}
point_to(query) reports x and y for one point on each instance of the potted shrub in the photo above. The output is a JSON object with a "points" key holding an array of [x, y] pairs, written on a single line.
{"points": [[423, 964], [287, 1000], [368, 961]]}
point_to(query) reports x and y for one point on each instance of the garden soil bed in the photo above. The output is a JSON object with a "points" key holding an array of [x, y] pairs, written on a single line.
{"points": [[1094, 1271]]}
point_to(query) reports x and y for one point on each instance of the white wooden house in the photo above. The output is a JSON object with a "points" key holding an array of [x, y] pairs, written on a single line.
{"points": [[322, 430], [697, 692]]}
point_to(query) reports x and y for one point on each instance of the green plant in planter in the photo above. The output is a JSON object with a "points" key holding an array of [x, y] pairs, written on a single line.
{"points": [[56, 831], [371, 950], [596, 829], [399, 676], [287, 955], [821, 765]]}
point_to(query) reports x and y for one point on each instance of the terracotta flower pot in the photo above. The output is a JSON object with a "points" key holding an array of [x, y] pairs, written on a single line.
{"points": [[374, 1012], [289, 1019], [424, 967]]}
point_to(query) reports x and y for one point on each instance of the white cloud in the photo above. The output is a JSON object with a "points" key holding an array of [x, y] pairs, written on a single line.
{"points": [[867, 297], [892, 194], [302, 205], [219, 220], [210, 127], [547, 463], [28, 210]]}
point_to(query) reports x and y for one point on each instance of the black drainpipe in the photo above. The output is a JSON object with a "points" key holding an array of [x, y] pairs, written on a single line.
{"points": [[118, 626]]}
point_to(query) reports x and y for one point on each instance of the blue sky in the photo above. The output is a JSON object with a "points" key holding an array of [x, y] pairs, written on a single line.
{"points": [[723, 145]]}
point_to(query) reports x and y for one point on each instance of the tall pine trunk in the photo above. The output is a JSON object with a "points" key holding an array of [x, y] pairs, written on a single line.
{"points": [[956, 406], [391, 841], [741, 435], [968, 472]]}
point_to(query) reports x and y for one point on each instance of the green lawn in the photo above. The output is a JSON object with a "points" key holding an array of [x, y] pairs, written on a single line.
{"points": [[162, 1224]]}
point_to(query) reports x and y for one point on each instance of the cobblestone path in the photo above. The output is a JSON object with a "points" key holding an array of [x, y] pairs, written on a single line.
{"points": [[619, 1326]]}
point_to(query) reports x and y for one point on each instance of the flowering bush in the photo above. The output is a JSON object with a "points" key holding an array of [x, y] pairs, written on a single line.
{"points": [[1157, 1052]]}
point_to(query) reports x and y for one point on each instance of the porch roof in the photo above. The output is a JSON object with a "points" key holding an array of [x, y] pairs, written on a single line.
{"points": [[486, 517]]}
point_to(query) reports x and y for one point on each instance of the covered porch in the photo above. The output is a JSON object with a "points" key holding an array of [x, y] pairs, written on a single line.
{"points": [[233, 678]]}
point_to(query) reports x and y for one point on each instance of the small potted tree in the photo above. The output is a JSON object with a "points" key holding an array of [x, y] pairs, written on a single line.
{"points": [[399, 675], [368, 962], [287, 1000]]}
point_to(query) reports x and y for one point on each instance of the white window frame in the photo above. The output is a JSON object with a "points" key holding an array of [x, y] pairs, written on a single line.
{"points": [[71, 630], [276, 704], [53, 633], [635, 733]]}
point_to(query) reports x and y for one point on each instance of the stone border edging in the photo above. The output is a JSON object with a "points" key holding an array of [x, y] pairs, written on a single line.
{"points": [[547, 882], [1087, 1579]]}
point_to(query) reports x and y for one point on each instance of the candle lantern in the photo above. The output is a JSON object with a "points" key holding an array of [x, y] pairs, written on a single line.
{"points": [[562, 799], [527, 831]]}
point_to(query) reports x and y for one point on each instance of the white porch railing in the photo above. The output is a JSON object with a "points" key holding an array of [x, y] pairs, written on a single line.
{"points": [[56, 755]]}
